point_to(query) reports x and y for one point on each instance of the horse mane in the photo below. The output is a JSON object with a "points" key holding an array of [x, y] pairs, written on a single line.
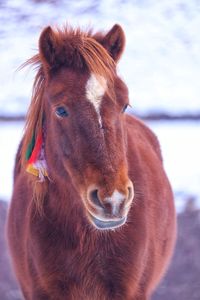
{"points": [[75, 49]]}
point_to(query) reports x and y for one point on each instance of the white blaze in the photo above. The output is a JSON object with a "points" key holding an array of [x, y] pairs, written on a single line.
{"points": [[95, 89]]}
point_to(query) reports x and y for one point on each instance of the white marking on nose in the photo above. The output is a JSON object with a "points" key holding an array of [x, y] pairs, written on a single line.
{"points": [[116, 199], [95, 89]]}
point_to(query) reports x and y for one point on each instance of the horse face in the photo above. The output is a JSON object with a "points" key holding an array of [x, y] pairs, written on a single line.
{"points": [[86, 131], [85, 117]]}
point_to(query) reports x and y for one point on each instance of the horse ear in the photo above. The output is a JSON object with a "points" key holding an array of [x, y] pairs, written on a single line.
{"points": [[114, 42], [47, 47]]}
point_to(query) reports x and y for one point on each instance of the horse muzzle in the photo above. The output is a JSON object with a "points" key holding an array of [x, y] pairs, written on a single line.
{"points": [[109, 212]]}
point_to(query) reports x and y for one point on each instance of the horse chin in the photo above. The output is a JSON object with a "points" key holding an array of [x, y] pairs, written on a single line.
{"points": [[106, 225]]}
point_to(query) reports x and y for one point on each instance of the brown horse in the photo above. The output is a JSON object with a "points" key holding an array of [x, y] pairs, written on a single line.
{"points": [[92, 214]]}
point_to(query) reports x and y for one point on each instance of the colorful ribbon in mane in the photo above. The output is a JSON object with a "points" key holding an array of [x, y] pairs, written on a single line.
{"points": [[36, 164]]}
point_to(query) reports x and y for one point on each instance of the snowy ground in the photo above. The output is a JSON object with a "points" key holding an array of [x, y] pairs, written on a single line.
{"points": [[180, 144], [161, 64], [10, 135], [180, 147]]}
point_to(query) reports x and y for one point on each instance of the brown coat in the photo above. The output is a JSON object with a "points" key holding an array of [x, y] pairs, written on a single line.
{"points": [[58, 247]]}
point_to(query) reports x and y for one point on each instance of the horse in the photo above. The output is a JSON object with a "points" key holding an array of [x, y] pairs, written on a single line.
{"points": [[92, 214]]}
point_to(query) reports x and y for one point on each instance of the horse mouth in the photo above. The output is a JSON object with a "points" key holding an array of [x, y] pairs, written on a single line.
{"points": [[103, 225]]}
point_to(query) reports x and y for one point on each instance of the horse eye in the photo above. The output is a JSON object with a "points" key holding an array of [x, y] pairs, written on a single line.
{"points": [[61, 111], [124, 108]]}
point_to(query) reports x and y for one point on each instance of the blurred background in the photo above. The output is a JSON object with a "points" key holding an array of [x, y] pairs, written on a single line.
{"points": [[160, 65]]}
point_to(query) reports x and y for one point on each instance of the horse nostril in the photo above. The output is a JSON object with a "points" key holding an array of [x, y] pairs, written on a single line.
{"points": [[130, 193], [94, 198]]}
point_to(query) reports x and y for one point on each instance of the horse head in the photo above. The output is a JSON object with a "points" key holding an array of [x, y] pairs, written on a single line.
{"points": [[83, 102]]}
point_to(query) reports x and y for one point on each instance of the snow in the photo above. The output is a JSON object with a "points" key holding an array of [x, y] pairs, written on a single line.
{"points": [[180, 148], [10, 134], [161, 64]]}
